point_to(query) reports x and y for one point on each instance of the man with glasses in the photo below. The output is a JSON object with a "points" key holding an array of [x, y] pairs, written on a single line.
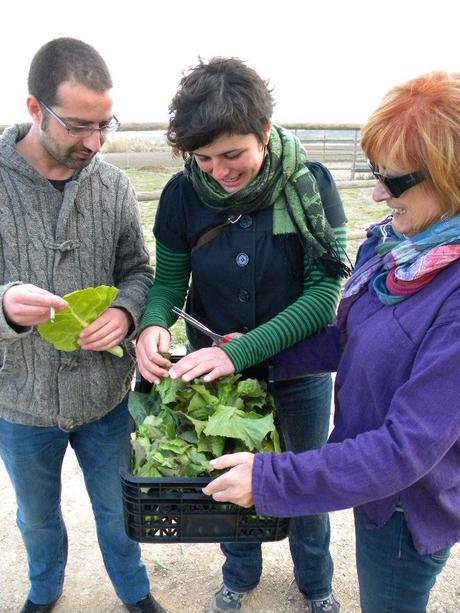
{"points": [[68, 221]]}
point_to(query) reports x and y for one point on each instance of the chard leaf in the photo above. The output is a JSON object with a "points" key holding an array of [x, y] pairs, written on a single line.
{"points": [[212, 444], [140, 405], [217, 445], [199, 407], [189, 436], [85, 306], [161, 458], [141, 449], [168, 389], [198, 424], [275, 438], [197, 464], [226, 389], [176, 445], [151, 428], [149, 469], [204, 392], [234, 423], [253, 394]]}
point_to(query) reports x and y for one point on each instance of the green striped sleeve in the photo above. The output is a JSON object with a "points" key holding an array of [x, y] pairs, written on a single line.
{"points": [[313, 310], [172, 274]]}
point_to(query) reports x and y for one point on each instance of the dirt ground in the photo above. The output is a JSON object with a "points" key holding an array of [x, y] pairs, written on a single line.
{"points": [[183, 576]]}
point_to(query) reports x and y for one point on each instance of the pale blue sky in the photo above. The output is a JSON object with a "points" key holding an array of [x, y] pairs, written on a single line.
{"points": [[328, 61]]}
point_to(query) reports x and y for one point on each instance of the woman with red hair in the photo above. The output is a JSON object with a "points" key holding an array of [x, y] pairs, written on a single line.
{"points": [[394, 453]]}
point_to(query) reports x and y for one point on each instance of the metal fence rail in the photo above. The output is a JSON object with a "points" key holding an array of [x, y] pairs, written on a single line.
{"points": [[336, 145], [155, 194]]}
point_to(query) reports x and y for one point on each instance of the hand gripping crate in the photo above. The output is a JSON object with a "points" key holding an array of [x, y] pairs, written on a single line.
{"points": [[175, 510]]}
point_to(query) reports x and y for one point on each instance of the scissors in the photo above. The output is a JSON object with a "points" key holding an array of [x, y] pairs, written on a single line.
{"points": [[218, 339]]}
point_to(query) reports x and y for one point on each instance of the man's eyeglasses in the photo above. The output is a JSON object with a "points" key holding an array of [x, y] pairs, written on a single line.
{"points": [[398, 185], [83, 131]]}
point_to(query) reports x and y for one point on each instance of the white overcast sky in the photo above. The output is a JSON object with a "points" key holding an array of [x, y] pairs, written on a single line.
{"points": [[328, 61]]}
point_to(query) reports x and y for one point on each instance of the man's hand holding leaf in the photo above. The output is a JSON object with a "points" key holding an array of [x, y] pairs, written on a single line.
{"points": [[85, 307], [29, 305], [106, 331]]}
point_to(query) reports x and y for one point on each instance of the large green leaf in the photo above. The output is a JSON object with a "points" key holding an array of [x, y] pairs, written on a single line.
{"points": [[227, 391], [141, 405], [168, 389], [252, 393], [234, 423], [141, 450], [85, 306]]}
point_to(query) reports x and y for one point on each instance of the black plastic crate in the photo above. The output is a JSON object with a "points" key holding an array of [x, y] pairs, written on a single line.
{"points": [[175, 510]]}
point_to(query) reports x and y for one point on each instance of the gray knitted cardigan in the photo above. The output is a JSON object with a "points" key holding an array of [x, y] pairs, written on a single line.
{"points": [[90, 235]]}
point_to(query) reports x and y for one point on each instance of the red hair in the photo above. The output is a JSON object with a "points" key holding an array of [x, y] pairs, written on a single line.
{"points": [[417, 126]]}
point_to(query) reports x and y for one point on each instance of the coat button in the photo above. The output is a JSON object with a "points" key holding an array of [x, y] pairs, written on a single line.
{"points": [[242, 259], [246, 221], [243, 295]]}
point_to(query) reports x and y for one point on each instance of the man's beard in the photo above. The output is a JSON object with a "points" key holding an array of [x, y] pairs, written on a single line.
{"points": [[65, 158]]}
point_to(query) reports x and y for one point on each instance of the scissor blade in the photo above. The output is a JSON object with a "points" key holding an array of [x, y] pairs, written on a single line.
{"points": [[191, 320], [198, 325]]}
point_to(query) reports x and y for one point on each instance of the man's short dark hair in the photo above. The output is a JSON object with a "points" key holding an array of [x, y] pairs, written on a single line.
{"points": [[222, 96], [66, 59]]}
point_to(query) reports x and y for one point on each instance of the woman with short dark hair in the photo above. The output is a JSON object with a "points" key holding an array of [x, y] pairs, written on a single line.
{"points": [[260, 230]]}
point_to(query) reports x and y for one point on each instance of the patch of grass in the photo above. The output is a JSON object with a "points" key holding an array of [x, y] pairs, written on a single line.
{"points": [[148, 180], [121, 145], [361, 212], [145, 180], [148, 211]]}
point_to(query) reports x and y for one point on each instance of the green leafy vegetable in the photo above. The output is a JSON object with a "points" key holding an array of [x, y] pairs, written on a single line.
{"points": [[250, 427], [181, 426], [85, 306]]}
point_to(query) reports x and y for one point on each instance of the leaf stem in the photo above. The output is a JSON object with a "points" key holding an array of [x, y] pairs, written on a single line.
{"points": [[117, 351], [81, 321]]}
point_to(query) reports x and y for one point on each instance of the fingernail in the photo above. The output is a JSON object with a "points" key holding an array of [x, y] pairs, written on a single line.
{"points": [[172, 373]]}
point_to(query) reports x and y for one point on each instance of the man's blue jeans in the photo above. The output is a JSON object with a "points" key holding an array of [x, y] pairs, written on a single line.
{"points": [[392, 575], [303, 409], [33, 458]]}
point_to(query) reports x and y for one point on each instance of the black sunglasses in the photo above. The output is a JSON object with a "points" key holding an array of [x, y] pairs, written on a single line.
{"points": [[397, 185]]}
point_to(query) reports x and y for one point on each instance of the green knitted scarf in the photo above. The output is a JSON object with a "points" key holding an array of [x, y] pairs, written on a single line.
{"points": [[285, 183]]}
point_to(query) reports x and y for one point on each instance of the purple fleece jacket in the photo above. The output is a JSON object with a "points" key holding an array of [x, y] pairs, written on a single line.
{"points": [[397, 432]]}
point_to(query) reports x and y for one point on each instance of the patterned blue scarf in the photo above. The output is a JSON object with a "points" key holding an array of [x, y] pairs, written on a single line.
{"points": [[396, 251]]}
